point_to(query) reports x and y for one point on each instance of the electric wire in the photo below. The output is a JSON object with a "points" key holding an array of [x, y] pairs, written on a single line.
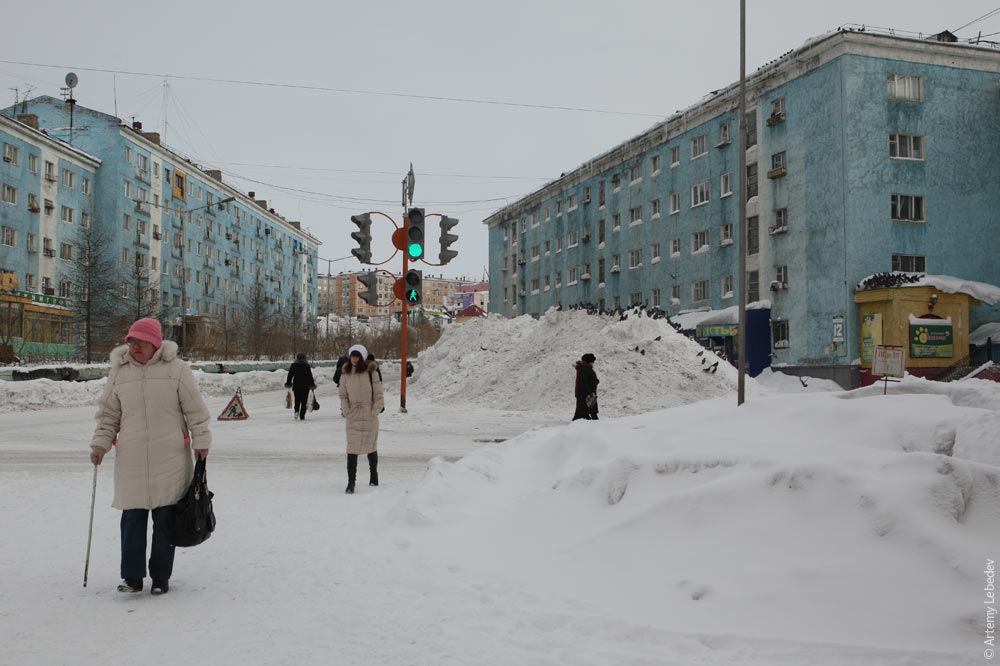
{"points": [[981, 18]]}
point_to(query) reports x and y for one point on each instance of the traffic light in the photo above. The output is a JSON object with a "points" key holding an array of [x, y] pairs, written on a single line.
{"points": [[447, 239], [413, 287], [415, 233], [364, 237], [370, 293]]}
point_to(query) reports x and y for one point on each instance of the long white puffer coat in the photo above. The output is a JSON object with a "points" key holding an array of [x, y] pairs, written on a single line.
{"points": [[150, 409], [361, 399]]}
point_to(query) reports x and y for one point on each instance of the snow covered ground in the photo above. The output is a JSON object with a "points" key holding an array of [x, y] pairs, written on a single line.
{"points": [[809, 526]]}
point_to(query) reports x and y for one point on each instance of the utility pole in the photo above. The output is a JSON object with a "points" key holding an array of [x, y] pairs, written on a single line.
{"points": [[741, 124]]}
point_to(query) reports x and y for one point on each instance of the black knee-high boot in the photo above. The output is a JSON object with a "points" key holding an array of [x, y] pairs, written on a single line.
{"points": [[352, 471], [373, 468]]}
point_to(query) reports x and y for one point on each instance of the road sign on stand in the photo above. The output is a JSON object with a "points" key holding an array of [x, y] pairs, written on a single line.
{"points": [[235, 411]]}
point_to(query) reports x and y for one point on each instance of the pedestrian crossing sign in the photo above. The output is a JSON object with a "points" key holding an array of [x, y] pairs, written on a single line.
{"points": [[235, 411]]}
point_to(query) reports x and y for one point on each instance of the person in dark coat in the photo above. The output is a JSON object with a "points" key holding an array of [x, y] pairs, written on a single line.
{"points": [[586, 388], [300, 380], [371, 357], [340, 369]]}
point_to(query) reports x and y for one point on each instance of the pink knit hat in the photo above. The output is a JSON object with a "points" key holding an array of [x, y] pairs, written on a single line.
{"points": [[148, 330]]}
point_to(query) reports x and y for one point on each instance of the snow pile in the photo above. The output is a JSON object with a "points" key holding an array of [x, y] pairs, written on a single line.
{"points": [[528, 364], [784, 517]]}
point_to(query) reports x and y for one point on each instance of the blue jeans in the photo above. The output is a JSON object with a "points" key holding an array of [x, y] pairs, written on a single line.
{"points": [[161, 555]]}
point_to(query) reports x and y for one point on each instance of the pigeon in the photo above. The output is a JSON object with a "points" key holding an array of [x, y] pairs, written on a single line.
{"points": [[803, 381], [658, 337], [701, 352], [643, 352]]}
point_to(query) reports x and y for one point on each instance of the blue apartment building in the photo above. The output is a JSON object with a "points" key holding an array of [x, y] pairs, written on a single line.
{"points": [[866, 153], [48, 194], [183, 238]]}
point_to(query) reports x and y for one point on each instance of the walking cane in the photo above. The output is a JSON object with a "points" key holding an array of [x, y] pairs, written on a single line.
{"points": [[90, 531]]}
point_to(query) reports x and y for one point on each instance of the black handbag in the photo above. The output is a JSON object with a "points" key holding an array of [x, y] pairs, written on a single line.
{"points": [[194, 518], [315, 403]]}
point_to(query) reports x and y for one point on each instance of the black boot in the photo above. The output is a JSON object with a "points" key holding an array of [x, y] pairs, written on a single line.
{"points": [[352, 472], [130, 585], [373, 468]]}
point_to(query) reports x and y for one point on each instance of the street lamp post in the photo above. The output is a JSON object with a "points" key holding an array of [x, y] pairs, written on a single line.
{"points": [[184, 277]]}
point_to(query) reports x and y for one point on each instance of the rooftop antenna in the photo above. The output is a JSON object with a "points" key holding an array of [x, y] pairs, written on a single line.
{"points": [[71, 81]]}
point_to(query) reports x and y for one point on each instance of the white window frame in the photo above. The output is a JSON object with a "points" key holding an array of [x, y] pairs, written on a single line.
{"points": [[725, 137], [699, 241], [572, 239], [675, 156], [634, 216], [675, 247], [573, 203], [12, 154], [66, 215], [66, 252], [905, 87], [700, 291], [727, 286], [32, 163], [726, 234], [699, 194], [654, 209], [635, 258], [654, 253], [725, 185], [699, 146], [85, 186], [654, 164], [573, 276], [675, 203], [898, 261], [68, 178], [616, 182], [9, 237], [906, 147], [9, 195], [635, 174], [675, 294]]}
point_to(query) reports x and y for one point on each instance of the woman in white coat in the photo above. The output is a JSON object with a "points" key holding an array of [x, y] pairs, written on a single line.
{"points": [[149, 406], [361, 400]]}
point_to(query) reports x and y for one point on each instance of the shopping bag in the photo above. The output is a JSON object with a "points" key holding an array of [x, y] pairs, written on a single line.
{"points": [[194, 517], [314, 405], [288, 400]]}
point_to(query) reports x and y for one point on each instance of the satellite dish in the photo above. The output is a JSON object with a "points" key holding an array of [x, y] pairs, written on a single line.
{"points": [[71, 80]]}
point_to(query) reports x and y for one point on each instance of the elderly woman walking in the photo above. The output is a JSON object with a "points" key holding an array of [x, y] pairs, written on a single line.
{"points": [[149, 406], [362, 400]]}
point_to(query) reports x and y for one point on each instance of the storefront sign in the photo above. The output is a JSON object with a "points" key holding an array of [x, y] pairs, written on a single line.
{"points": [[871, 335], [718, 330], [930, 341]]}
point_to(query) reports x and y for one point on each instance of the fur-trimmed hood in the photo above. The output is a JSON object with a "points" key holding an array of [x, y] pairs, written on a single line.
{"points": [[166, 353]]}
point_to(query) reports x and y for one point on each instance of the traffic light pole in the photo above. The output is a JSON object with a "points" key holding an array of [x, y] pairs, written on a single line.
{"points": [[404, 317]]}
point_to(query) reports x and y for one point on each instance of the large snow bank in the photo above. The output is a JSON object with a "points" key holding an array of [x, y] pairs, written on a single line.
{"points": [[528, 364], [850, 521]]}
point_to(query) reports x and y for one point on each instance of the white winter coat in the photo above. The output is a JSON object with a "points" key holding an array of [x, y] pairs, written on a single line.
{"points": [[150, 409], [361, 400]]}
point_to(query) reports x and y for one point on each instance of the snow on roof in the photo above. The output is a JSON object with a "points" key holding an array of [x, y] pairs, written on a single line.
{"points": [[689, 321], [991, 330], [987, 293]]}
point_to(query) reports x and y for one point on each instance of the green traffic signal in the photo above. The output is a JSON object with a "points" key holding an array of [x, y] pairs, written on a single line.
{"points": [[415, 233], [412, 296]]}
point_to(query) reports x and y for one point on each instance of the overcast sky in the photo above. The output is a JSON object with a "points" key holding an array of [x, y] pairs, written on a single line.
{"points": [[348, 102]]}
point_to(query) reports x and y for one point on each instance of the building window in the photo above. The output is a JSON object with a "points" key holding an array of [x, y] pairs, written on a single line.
{"points": [[65, 289], [9, 194], [675, 203], [699, 291], [586, 195], [558, 279], [907, 208], [127, 222], [548, 248], [9, 237], [33, 163], [778, 161], [906, 88], [635, 215], [779, 333], [128, 154], [616, 182], [573, 276], [699, 194], [11, 154], [616, 222], [50, 171], [635, 258], [535, 253], [654, 253], [699, 146], [558, 210], [180, 183], [675, 156], [675, 294], [66, 251], [33, 202], [635, 298], [572, 239], [726, 184], [654, 209], [724, 135], [656, 298], [654, 164], [128, 189], [727, 286], [67, 214], [675, 247], [751, 181], [750, 128], [777, 111], [780, 221], [68, 178], [616, 263], [125, 255], [32, 243], [600, 194], [534, 286], [781, 275], [85, 186], [906, 146], [753, 241], [574, 202], [726, 235], [29, 281], [753, 286], [85, 220], [699, 241], [909, 263], [548, 214], [635, 174]]}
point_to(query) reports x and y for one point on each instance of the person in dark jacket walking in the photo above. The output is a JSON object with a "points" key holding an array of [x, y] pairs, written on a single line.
{"points": [[300, 380], [341, 362], [371, 357], [586, 388]]}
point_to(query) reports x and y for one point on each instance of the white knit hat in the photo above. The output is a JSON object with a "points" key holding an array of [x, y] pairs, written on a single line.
{"points": [[360, 349]]}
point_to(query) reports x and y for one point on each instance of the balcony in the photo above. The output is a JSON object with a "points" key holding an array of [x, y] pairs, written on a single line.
{"points": [[142, 175], [49, 252], [157, 235], [774, 231], [775, 119], [142, 207], [777, 172]]}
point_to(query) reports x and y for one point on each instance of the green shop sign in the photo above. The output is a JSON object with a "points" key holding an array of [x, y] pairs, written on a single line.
{"points": [[930, 341]]}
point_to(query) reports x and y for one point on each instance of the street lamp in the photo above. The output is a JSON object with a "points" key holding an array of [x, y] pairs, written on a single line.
{"points": [[184, 277]]}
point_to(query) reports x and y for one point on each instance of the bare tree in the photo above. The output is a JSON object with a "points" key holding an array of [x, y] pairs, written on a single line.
{"points": [[258, 318], [94, 283]]}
